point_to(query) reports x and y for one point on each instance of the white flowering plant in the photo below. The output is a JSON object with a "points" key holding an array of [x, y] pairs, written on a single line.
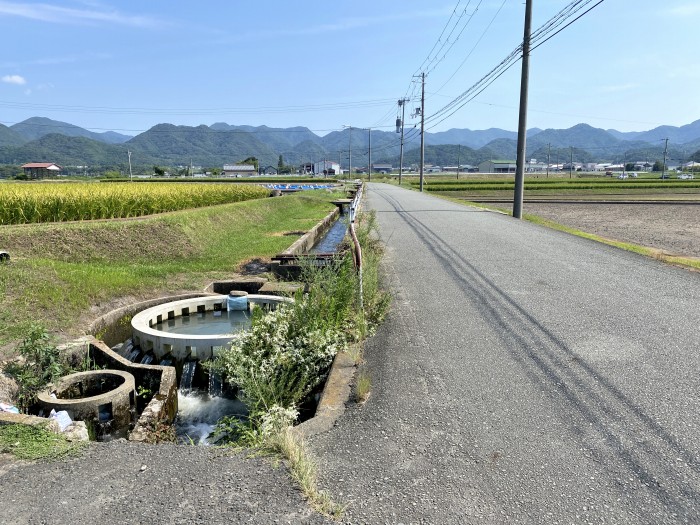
{"points": [[280, 360]]}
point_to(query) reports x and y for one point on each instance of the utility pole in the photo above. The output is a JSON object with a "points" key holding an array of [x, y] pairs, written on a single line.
{"points": [[402, 105], [549, 154], [369, 156], [350, 151], [422, 128], [522, 121], [663, 171], [459, 151], [571, 160], [131, 177], [349, 128]]}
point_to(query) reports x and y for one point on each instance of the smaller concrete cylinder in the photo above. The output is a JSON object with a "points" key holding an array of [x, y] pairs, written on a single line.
{"points": [[106, 397]]}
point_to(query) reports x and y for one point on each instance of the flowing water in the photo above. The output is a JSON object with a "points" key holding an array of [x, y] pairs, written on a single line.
{"points": [[198, 413], [333, 237], [188, 368]]}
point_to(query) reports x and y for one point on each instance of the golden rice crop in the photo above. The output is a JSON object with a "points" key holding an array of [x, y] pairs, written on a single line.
{"points": [[22, 203]]}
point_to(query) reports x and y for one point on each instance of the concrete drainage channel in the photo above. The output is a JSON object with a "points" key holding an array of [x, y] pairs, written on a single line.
{"points": [[130, 399]]}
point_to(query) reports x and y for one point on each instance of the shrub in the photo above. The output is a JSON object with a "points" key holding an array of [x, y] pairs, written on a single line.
{"points": [[288, 352], [280, 360], [42, 364]]}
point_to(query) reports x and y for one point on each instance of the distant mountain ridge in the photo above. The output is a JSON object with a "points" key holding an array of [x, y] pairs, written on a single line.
{"points": [[222, 143], [36, 127]]}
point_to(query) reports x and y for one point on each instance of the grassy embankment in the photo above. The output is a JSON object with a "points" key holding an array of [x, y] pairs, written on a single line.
{"points": [[63, 275]]}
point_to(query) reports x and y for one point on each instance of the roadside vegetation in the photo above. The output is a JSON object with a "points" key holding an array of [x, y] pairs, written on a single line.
{"points": [[287, 355], [41, 363]]}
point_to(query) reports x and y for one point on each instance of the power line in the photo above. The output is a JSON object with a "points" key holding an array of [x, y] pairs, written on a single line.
{"points": [[420, 68], [540, 36], [453, 42], [474, 47]]}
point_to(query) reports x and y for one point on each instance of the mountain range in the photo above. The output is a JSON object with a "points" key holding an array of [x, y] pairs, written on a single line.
{"points": [[39, 139]]}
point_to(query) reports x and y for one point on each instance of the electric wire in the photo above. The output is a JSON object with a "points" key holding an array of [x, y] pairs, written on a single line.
{"points": [[540, 36], [471, 51]]}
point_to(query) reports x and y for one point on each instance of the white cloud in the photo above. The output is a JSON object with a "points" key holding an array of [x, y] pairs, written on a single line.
{"points": [[14, 79], [67, 15], [685, 10]]}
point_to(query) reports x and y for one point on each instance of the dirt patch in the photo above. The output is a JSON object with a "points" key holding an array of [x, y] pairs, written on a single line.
{"points": [[294, 233], [672, 228], [8, 388], [254, 267]]}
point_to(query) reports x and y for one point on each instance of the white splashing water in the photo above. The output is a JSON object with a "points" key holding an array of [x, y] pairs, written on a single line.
{"points": [[198, 413]]}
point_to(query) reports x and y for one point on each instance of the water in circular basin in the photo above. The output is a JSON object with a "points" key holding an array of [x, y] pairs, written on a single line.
{"points": [[209, 323]]}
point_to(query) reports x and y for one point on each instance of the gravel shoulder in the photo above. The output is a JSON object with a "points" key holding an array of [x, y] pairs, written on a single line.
{"points": [[118, 482]]}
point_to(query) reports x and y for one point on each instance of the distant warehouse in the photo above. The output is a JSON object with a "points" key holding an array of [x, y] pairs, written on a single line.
{"points": [[239, 170], [497, 166]]}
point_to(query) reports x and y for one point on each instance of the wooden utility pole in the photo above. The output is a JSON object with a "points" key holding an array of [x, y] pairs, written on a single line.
{"points": [[402, 105], [422, 128], [522, 122], [369, 156]]}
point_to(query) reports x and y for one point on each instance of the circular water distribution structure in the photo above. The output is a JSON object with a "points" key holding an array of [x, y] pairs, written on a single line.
{"points": [[194, 329], [107, 397]]}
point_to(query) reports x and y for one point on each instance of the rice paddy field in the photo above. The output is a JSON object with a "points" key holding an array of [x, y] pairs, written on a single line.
{"points": [[26, 203]]}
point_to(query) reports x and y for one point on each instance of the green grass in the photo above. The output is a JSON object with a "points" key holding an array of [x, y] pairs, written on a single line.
{"points": [[36, 442], [58, 272]]}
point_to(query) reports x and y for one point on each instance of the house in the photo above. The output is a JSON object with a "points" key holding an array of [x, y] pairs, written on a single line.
{"points": [[643, 165], [41, 170], [535, 167], [239, 170], [497, 166], [382, 168], [326, 168], [269, 170]]}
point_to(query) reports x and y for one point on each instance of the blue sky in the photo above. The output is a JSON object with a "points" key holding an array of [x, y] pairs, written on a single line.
{"points": [[126, 66]]}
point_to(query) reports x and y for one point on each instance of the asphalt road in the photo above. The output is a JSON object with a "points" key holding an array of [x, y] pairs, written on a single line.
{"points": [[523, 376]]}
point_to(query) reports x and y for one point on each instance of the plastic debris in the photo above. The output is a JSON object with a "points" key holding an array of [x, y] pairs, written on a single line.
{"points": [[12, 409], [62, 417]]}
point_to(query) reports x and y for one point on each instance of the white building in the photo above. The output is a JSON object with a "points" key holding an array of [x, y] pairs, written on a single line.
{"points": [[326, 167], [239, 170]]}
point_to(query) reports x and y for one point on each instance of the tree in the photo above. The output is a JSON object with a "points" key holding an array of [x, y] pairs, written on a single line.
{"points": [[159, 172], [280, 164], [251, 160], [629, 166], [658, 166]]}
